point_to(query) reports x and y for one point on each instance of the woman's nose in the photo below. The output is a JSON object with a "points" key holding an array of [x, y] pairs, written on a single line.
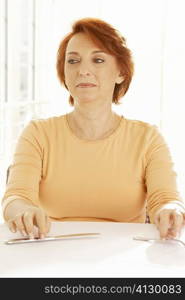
{"points": [[84, 70], [84, 73]]}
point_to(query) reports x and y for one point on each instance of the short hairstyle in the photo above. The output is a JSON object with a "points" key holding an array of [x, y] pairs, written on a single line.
{"points": [[109, 39]]}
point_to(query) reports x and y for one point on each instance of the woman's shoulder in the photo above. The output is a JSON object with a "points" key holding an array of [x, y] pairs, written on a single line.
{"points": [[139, 123], [37, 127], [46, 123], [139, 128]]}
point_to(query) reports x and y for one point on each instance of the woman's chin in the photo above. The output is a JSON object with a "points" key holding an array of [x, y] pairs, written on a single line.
{"points": [[86, 100]]}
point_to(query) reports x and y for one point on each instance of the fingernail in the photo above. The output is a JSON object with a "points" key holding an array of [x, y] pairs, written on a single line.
{"points": [[24, 232], [42, 236], [13, 230]]}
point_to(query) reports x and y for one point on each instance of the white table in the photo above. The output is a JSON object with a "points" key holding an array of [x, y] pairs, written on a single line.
{"points": [[112, 254]]}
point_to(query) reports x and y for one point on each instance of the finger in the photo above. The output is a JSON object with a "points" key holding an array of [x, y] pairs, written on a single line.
{"points": [[28, 223], [12, 226], [170, 229], [48, 224], [177, 224], [164, 224], [157, 220], [40, 219], [20, 225]]}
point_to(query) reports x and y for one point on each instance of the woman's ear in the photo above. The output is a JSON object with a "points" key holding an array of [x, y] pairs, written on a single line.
{"points": [[120, 78]]}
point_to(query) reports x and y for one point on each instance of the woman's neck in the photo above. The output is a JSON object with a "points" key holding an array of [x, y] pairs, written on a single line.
{"points": [[93, 125]]}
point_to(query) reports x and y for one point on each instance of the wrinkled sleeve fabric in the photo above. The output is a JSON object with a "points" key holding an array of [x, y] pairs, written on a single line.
{"points": [[160, 177], [26, 168]]}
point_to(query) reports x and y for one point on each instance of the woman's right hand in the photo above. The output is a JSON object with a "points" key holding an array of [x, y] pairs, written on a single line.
{"points": [[24, 217]]}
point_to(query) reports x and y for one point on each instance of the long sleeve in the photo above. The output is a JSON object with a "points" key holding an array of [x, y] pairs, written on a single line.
{"points": [[160, 177], [112, 179], [26, 168]]}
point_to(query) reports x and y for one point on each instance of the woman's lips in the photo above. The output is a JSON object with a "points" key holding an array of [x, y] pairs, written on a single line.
{"points": [[86, 85]]}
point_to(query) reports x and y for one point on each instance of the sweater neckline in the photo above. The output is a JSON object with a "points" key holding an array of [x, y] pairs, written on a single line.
{"points": [[111, 135]]}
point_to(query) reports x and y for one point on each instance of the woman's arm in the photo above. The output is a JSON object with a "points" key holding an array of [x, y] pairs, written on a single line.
{"points": [[165, 206], [21, 206]]}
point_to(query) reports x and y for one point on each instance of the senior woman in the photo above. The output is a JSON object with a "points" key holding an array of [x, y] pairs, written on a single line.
{"points": [[92, 164]]}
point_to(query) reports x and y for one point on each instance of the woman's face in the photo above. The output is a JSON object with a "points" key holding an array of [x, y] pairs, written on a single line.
{"points": [[90, 73]]}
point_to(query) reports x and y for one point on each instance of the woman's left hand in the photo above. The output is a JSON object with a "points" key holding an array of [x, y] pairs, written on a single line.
{"points": [[169, 220]]}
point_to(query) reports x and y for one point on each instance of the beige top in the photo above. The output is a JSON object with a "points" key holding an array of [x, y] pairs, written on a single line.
{"points": [[110, 179]]}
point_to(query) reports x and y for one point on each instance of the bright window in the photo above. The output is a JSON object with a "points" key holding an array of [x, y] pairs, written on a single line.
{"points": [[30, 32]]}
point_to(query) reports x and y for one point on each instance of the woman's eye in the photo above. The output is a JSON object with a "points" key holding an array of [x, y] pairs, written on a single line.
{"points": [[98, 60], [72, 61]]}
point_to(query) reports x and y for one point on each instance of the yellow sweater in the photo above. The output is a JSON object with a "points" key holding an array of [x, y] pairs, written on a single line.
{"points": [[110, 179]]}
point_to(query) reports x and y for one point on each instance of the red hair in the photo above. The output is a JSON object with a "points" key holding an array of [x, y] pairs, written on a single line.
{"points": [[109, 39]]}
